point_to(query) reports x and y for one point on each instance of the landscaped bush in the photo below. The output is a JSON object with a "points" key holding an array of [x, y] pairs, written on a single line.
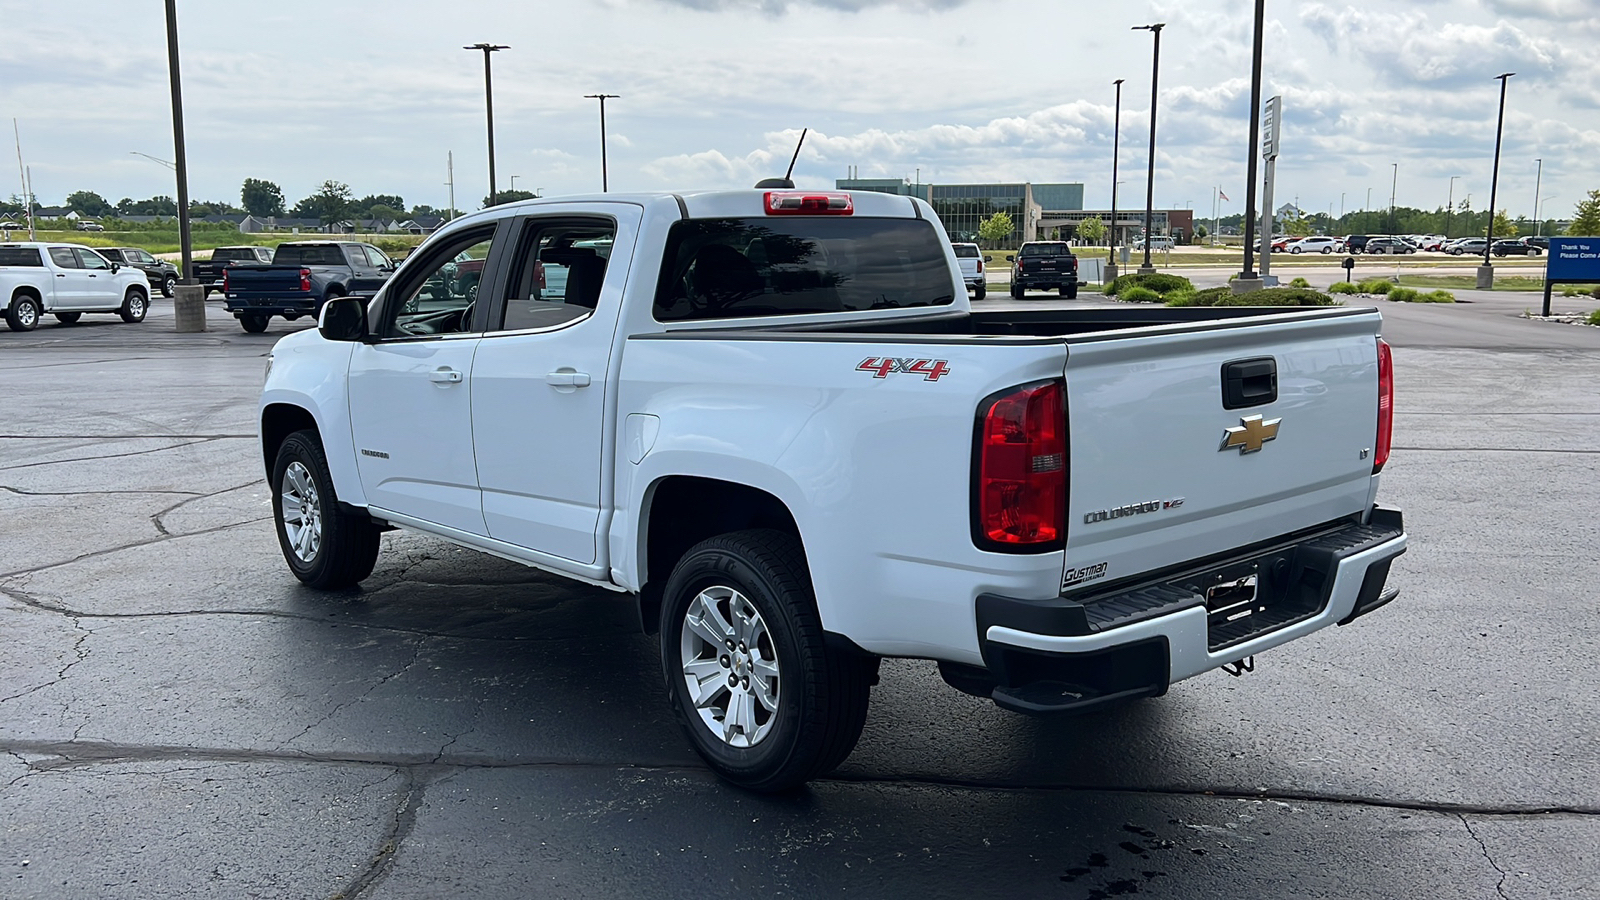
{"points": [[1596, 292], [1403, 294], [1341, 287], [1279, 296], [1299, 282], [1594, 317], [1207, 297], [1376, 286], [1572, 292], [1158, 282], [1139, 294], [1439, 296]]}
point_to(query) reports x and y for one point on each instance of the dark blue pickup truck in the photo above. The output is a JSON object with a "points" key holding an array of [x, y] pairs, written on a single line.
{"points": [[303, 276]]}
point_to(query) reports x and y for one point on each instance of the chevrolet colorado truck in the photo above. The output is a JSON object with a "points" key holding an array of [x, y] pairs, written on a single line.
{"points": [[208, 272], [67, 280], [303, 275], [774, 420]]}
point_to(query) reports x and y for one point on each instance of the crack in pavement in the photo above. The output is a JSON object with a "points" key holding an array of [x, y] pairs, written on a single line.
{"points": [[78, 754], [1499, 887], [123, 437], [136, 544], [405, 821], [57, 462], [27, 493], [79, 655], [416, 653], [156, 519]]}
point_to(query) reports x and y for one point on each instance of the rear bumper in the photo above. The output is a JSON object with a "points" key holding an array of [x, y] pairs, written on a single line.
{"points": [[271, 306], [1072, 655], [1048, 280]]}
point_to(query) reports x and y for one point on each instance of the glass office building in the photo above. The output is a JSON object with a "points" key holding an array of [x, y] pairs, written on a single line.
{"points": [[963, 207]]}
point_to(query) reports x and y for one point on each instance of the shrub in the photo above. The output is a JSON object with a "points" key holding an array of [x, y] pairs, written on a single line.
{"points": [[1594, 317], [1439, 296], [1376, 286], [1207, 297], [1178, 298], [1279, 296], [1403, 294], [1299, 282], [1158, 282], [1596, 292], [1341, 287], [1572, 292], [1139, 294]]}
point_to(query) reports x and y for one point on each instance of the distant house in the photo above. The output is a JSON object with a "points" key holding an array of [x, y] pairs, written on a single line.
{"points": [[54, 212], [223, 218], [267, 224], [1290, 211], [421, 224]]}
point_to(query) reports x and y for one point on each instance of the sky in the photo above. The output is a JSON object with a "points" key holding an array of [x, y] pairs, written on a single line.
{"points": [[713, 94]]}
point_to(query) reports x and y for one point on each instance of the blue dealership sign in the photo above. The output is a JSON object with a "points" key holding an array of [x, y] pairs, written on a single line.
{"points": [[1574, 259]]}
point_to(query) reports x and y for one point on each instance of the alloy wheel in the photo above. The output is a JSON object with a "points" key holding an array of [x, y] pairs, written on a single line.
{"points": [[730, 666], [302, 512]]}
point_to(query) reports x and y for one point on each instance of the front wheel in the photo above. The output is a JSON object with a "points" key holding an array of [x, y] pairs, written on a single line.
{"points": [[169, 285], [254, 324], [1294, 249], [134, 306], [68, 318], [324, 547], [762, 697]]}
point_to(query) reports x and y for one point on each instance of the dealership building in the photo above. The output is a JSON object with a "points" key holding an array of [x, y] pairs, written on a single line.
{"points": [[1037, 210]]}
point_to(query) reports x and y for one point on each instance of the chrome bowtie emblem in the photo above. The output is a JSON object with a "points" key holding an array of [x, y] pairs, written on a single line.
{"points": [[1249, 434]]}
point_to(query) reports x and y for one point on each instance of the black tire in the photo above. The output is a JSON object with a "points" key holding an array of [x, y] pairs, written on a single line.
{"points": [[134, 306], [1327, 249], [23, 313], [169, 285], [255, 324], [1294, 249], [979, 291], [1071, 293], [347, 547], [68, 318], [1016, 291], [822, 692]]}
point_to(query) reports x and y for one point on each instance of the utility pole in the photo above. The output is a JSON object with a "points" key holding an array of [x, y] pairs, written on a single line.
{"points": [[1116, 134], [1486, 271], [27, 186], [488, 104], [1248, 280], [185, 240], [450, 176], [1150, 180], [605, 179]]}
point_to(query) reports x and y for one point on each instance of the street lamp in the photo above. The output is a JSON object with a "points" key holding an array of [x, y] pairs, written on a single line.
{"points": [[1486, 271], [157, 159], [1116, 134], [1247, 279], [488, 103], [1449, 204], [1392, 186], [181, 164], [604, 178], [1538, 214], [1536, 189], [1150, 182]]}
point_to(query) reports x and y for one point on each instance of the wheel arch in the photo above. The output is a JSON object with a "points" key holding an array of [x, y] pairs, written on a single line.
{"points": [[278, 421], [27, 290]]}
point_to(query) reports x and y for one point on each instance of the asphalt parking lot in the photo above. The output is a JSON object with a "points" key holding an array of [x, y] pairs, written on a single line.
{"points": [[179, 718]]}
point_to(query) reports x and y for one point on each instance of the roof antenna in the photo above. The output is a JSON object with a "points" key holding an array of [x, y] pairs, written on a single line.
{"points": [[786, 181]]}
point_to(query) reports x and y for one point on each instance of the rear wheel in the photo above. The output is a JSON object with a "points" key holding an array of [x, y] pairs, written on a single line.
{"points": [[978, 292], [1016, 291], [169, 285], [1294, 249], [23, 313], [325, 548], [134, 306], [1071, 293], [760, 694], [255, 324], [68, 318]]}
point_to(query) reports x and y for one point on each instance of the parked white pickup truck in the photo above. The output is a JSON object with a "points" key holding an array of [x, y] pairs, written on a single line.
{"points": [[67, 280], [773, 418]]}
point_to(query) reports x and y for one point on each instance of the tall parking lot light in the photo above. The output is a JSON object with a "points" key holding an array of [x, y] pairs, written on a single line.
{"points": [[1394, 184], [1248, 280], [181, 164], [1150, 181], [1116, 134], [1449, 204], [1486, 271], [605, 181], [488, 103], [1537, 179]]}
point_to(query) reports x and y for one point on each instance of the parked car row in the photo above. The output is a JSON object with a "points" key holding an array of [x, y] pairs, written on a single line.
{"points": [[1395, 244]]}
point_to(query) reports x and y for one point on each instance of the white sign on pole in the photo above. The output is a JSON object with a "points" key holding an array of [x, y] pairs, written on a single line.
{"points": [[1271, 127]]}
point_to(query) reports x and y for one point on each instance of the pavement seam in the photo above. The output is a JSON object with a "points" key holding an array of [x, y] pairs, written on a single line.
{"points": [[1499, 887], [109, 550], [57, 462], [405, 821], [26, 493], [74, 754]]}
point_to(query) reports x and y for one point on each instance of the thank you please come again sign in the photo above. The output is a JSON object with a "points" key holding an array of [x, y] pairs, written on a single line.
{"points": [[1574, 259]]}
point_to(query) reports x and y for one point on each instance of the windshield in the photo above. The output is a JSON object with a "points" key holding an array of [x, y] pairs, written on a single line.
{"points": [[1046, 250], [734, 268], [308, 255], [225, 255]]}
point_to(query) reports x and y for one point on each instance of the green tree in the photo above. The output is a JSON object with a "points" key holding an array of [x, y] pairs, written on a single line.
{"points": [[88, 203], [1299, 226], [1586, 218], [503, 197], [261, 198], [1503, 226], [1092, 230], [155, 206], [332, 202], [996, 228], [366, 204], [424, 210], [386, 213], [1200, 232]]}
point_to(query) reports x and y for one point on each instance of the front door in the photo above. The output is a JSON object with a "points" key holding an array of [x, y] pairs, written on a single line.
{"points": [[540, 381], [103, 291], [411, 395]]}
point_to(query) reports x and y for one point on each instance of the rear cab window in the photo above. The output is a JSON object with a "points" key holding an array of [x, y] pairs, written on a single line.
{"points": [[309, 255], [746, 267], [1049, 249], [966, 251], [21, 256]]}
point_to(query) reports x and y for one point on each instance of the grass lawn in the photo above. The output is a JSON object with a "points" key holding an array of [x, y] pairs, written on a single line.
{"points": [[1198, 257]]}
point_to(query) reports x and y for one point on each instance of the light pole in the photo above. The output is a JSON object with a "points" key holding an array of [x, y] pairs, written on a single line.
{"points": [[156, 159], [181, 164], [1486, 271], [1395, 183], [605, 184], [1116, 135], [1538, 213], [1150, 180], [1248, 280], [514, 183], [1536, 188], [1449, 202], [488, 103]]}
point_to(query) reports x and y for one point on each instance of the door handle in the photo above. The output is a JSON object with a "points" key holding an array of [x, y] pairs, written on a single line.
{"points": [[61, 275], [567, 378], [444, 375]]}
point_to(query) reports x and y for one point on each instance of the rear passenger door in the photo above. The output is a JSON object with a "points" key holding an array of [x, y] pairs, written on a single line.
{"points": [[71, 282], [541, 378]]}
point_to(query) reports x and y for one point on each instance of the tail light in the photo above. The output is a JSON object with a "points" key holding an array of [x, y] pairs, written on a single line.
{"points": [[805, 203], [224, 281], [1021, 469], [1385, 406], [305, 280]]}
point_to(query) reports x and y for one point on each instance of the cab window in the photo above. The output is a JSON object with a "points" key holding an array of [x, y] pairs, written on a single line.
{"points": [[439, 296], [89, 259], [63, 258]]}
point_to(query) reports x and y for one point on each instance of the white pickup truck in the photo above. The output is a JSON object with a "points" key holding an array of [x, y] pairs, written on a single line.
{"points": [[772, 417], [67, 280]]}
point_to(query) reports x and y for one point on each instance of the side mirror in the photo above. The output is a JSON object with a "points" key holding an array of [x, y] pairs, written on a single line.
{"points": [[343, 319], [1010, 258], [115, 266]]}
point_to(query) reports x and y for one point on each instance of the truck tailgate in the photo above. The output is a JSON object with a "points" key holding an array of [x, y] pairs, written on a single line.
{"points": [[270, 279], [1162, 472]]}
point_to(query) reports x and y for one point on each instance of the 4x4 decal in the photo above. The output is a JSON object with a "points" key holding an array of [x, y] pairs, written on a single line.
{"points": [[884, 366]]}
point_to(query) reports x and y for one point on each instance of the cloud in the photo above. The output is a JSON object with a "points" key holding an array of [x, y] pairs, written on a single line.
{"points": [[1409, 47], [779, 7]]}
